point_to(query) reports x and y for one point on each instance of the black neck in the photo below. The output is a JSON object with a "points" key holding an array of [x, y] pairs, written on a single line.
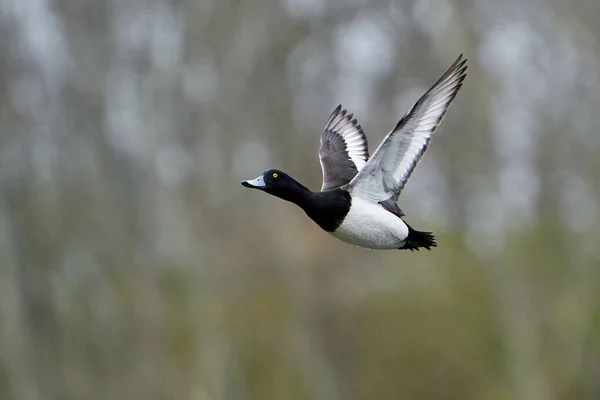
{"points": [[327, 209], [295, 192]]}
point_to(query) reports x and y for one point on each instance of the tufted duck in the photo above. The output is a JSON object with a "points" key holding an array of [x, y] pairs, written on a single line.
{"points": [[358, 200]]}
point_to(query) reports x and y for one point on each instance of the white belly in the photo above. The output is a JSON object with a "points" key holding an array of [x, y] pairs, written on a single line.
{"points": [[370, 225]]}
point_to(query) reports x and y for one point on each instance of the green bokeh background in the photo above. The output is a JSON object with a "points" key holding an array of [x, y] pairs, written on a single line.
{"points": [[134, 266]]}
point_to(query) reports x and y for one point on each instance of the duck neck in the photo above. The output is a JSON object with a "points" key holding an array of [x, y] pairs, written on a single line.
{"points": [[295, 193]]}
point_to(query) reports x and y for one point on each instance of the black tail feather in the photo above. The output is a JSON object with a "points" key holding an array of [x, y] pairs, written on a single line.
{"points": [[418, 239]]}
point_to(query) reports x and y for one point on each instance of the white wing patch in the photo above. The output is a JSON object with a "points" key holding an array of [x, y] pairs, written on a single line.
{"points": [[341, 123], [388, 170], [344, 149]]}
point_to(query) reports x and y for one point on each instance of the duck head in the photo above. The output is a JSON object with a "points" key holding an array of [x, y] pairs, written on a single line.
{"points": [[277, 183]]}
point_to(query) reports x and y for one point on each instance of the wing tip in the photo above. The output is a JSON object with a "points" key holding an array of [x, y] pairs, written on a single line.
{"points": [[458, 67], [334, 114], [340, 118], [452, 79]]}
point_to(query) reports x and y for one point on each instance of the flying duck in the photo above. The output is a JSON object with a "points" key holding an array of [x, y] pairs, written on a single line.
{"points": [[358, 200]]}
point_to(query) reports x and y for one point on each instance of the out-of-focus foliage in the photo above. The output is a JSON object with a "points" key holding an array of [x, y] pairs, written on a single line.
{"points": [[134, 265]]}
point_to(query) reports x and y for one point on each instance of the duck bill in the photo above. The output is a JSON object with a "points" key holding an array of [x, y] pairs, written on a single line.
{"points": [[258, 183]]}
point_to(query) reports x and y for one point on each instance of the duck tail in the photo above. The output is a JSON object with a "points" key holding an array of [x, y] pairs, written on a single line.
{"points": [[418, 239]]}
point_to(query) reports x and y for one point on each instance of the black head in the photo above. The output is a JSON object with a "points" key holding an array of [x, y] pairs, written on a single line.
{"points": [[277, 183]]}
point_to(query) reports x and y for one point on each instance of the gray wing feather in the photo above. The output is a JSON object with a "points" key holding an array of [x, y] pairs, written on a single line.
{"points": [[344, 150], [386, 173]]}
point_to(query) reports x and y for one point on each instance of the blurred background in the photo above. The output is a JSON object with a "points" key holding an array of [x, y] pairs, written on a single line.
{"points": [[133, 265]]}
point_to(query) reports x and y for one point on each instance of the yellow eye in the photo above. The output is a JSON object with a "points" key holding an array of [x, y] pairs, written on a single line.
{"points": [[275, 175]]}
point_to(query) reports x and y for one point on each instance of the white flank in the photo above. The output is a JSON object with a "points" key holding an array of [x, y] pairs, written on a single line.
{"points": [[370, 225]]}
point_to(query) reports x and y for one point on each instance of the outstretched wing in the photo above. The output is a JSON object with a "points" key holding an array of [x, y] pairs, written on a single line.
{"points": [[388, 170], [344, 150]]}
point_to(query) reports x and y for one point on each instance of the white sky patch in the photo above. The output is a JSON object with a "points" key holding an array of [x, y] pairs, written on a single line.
{"points": [[432, 16], [159, 31], [357, 95], [506, 47], [250, 159], [364, 52], [306, 63], [307, 71], [426, 193], [45, 155], [123, 113], [363, 46], [344, 4], [131, 29], [201, 80], [407, 98], [167, 34], [173, 234], [515, 131], [578, 205], [510, 52], [167, 37], [173, 164], [304, 9], [485, 220], [42, 38], [519, 190], [27, 97]]}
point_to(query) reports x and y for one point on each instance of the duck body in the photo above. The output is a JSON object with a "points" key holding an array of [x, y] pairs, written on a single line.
{"points": [[354, 221], [370, 225], [358, 199]]}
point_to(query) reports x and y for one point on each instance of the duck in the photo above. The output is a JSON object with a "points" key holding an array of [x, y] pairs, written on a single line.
{"points": [[358, 200]]}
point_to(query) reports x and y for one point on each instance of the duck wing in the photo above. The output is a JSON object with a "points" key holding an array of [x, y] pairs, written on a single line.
{"points": [[385, 174], [344, 149]]}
